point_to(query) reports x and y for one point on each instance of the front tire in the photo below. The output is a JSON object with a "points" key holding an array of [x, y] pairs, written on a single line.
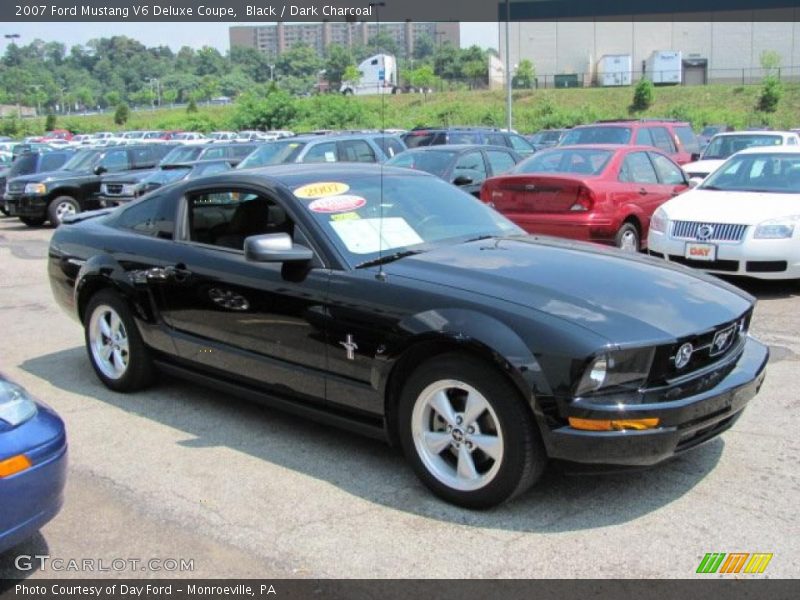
{"points": [[116, 350], [62, 207], [467, 433]]}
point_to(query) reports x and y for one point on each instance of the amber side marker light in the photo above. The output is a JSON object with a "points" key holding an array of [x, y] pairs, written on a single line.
{"points": [[13, 465], [612, 425]]}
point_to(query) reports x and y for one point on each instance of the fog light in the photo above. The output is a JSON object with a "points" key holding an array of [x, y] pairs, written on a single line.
{"points": [[13, 465], [612, 425]]}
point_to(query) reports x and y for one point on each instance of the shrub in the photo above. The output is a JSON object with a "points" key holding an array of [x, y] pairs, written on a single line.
{"points": [[50, 122], [274, 110], [643, 95], [771, 92], [122, 114], [191, 107]]}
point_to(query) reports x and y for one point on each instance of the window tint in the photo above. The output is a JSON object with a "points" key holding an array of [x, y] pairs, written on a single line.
{"points": [[597, 135], [24, 165], [227, 218], [566, 160], [390, 146], [144, 156], [356, 151], [496, 139], [470, 165], [465, 138], [116, 160], [643, 137], [215, 152], [500, 162], [668, 172], [688, 139], [321, 153], [416, 139], [240, 150], [662, 139], [152, 216], [210, 169], [637, 168], [520, 144], [53, 161]]}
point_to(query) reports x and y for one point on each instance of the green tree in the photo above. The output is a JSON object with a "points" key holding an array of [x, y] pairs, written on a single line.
{"points": [[50, 122], [122, 114], [422, 78], [423, 47], [383, 43], [643, 95], [525, 75], [477, 71], [352, 75], [255, 109], [191, 107], [337, 61], [771, 92]]}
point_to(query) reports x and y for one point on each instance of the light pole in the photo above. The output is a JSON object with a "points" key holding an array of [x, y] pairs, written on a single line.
{"points": [[509, 119], [271, 72], [377, 6]]}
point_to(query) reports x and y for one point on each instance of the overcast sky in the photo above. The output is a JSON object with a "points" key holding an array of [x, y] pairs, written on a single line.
{"points": [[191, 34]]}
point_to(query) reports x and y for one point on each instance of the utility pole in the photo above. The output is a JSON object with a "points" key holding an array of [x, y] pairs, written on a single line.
{"points": [[509, 120]]}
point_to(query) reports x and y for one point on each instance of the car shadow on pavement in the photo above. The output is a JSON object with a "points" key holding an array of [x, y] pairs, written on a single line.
{"points": [[372, 470], [27, 550]]}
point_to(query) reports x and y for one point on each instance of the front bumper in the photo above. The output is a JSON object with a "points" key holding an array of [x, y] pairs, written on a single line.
{"points": [[106, 201], [684, 423], [762, 259], [32, 497], [26, 205]]}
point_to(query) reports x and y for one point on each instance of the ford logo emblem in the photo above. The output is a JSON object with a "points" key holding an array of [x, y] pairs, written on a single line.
{"points": [[704, 232], [683, 355]]}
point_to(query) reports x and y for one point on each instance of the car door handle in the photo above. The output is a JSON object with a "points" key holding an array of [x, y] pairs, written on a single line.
{"points": [[642, 192]]}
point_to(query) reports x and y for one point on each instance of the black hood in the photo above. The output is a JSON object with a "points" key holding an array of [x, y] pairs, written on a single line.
{"points": [[623, 297]]}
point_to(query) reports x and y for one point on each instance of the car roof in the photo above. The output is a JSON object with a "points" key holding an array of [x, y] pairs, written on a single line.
{"points": [[771, 150], [755, 133], [453, 148], [295, 174], [632, 123]]}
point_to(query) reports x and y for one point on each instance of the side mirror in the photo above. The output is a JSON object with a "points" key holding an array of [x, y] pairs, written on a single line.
{"points": [[275, 247], [695, 156], [100, 169], [462, 180]]}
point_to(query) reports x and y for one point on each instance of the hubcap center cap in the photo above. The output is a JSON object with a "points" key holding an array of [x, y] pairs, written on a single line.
{"points": [[458, 436]]}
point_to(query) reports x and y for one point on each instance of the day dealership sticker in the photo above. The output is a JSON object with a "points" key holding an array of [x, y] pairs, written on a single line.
{"points": [[321, 189], [337, 204]]}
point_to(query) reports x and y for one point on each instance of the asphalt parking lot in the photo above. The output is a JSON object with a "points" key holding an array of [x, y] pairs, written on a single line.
{"points": [[179, 472]]}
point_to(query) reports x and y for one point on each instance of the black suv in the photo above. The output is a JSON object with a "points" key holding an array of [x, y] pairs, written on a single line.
{"points": [[29, 163], [50, 196], [468, 135]]}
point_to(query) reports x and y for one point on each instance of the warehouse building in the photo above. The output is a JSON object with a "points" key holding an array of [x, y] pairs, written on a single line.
{"points": [[711, 46], [275, 39]]}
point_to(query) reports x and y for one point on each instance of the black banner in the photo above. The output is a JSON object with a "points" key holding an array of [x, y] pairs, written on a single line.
{"points": [[348, 589], [385, 10]]}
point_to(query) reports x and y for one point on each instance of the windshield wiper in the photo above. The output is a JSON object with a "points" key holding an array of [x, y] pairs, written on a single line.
{"points": [[382, 260]]}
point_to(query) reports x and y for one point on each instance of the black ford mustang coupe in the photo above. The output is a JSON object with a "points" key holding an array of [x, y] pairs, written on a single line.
{"points": [[390, 302]]}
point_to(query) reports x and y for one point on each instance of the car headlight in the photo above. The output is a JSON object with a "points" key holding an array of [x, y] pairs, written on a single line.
{"points": [[659, 221], [628, 368], [35, 188], [16, 407], [128, 189], [776, 229]]}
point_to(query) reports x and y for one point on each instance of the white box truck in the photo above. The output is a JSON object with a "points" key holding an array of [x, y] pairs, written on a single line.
{"points": [[615, 69], [378, 76], [664, 67]]}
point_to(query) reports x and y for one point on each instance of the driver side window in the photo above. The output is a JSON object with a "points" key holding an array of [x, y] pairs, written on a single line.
{"points": [[226, 218], [116, 160], [470, 165]]}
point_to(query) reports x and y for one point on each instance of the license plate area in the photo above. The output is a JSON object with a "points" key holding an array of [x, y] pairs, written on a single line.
{"points": [[705, 252]]}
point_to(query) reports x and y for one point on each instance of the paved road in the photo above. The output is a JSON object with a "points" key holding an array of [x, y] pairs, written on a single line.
{"points": [[181, 472]]}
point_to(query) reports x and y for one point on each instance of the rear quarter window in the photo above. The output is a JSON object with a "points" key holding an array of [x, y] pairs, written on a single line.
{"points": [[688, 139]]}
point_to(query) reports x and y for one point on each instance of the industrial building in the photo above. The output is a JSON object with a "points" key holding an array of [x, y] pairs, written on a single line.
{"points": [[713, 46], [275, 39]]}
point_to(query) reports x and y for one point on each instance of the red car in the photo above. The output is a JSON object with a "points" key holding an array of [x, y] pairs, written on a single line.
{"points": [[674, 138], [57, 134], [597, 193]]}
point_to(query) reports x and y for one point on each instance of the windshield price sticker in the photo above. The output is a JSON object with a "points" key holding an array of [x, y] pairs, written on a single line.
{"points": [[365, 236], [321, 189], [337, 204]]}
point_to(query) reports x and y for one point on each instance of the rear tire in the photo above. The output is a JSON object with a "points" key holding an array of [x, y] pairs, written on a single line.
{"points": [[628, 238], [61, 207], [467, 432], [116, 350], [33, 221]]}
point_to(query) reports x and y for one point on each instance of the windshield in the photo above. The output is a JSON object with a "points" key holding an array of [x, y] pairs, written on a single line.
{"points": [[773, 172], [181, 154], [165, 176], [397, 214], [727, 145], [588, 161], [24, 165], [83, 160], [272, 153], [435, 162], [710, 130], [597, 135]]}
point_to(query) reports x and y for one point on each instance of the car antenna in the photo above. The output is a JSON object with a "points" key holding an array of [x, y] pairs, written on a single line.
{"points": [[377, 5]]}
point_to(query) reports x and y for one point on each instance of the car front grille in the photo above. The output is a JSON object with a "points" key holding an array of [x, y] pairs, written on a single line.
{"points": [[16, 187], [705, 350], [718, 232], [114, 188]]}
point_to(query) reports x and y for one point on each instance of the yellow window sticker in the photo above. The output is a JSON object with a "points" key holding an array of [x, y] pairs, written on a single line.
{"points": [[348, 216], [321, 189]]}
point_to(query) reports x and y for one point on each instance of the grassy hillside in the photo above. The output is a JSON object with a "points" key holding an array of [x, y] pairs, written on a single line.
{"points": [[533, 110]]}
